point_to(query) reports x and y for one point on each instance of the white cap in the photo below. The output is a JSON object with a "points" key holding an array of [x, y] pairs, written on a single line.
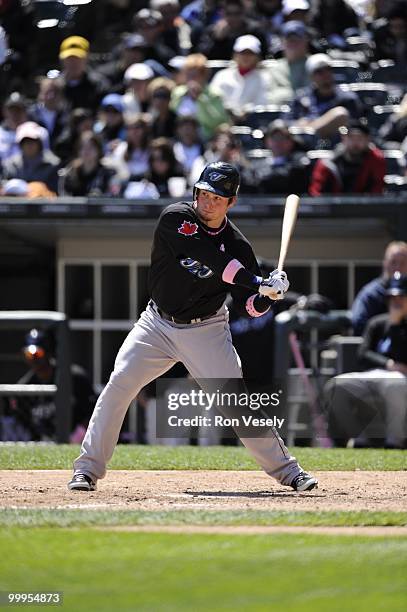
{"points": [[138, 72], [15, 187], [294, 5], [247, 43], [317, 61], [32, 130]]}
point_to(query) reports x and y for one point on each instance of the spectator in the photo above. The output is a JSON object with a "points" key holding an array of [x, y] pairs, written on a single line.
{"points": [[288, 74], [90, 174], [296, 10], [358, 166], [33, 418], [150, 25], [110, 127], [188, 145], [287, 165], [200, 14], [137, 79], [80, 120], [371, 406], [324, 106], [244, 83], [21, 189], [33, 162], [226, 147], [132, 155], [371, 299], [390, 35], [331, 18], [196, 98], [163, 166], [174, 34], [50, 109], [217, 41], [83, 87], [132, 50], [163, 118], [14, 114], [395, 128]]}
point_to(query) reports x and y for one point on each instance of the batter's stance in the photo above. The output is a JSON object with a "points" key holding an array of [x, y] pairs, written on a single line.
{"points": [[198, 256]]}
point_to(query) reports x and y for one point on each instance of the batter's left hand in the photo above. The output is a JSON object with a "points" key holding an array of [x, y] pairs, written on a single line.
{"points": [[275, 285]]}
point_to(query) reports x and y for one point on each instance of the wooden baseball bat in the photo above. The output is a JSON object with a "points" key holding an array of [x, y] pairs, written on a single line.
{"points": [[290, 216]]}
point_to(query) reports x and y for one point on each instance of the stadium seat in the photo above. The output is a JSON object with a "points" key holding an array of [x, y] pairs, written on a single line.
{"points": [[395, 183], [386, 71], [395, 162], [379, 114], [261, 116], [370, 94], [249, 139], [317, 154], [346, 71]]}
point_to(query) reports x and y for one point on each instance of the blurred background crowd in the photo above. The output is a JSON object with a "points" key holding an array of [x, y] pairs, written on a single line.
{"points": [[131, 98]]}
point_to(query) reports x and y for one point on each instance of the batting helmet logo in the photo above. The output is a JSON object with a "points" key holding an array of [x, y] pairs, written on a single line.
{"points": [[216, 176], [188, 229]]}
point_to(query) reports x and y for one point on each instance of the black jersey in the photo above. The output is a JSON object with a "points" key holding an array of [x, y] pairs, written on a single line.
{"points": [[190, 262]]}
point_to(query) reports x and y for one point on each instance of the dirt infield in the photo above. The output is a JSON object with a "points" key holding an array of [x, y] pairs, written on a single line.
{"points": [[205, 490]]}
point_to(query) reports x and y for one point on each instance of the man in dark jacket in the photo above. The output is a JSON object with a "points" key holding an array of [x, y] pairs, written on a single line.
{"points": [[371, 299], [372, 405], [324, 106], [84, 88], [357, 166]]}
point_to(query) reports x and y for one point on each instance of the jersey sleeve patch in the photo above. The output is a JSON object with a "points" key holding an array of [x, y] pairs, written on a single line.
{"points": [[188, 229]]}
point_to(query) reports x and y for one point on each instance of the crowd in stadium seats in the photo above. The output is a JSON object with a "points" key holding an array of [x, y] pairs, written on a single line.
{"points": [[119, 98]]}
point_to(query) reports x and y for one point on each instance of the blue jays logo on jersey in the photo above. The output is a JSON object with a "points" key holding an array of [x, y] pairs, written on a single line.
{"points": [[196, 267]]}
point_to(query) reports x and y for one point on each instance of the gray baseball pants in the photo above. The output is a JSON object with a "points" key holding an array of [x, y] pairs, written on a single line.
{"points": [[152, 347]]}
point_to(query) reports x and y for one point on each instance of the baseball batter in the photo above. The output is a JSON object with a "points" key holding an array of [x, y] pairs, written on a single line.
{"points": [[198, 256]]}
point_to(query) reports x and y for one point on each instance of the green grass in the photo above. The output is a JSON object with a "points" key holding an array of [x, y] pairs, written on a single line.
{"points": [[36, 517], [132, 457], [160, 572]]}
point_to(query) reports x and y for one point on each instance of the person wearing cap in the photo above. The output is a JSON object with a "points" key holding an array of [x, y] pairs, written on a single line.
{"points": [[137, 79], [296, 10], [195, 97], [357, 166], [34, 162], [50, 109], [84, 88], [323, 106], [150, 24], [371, 299], [287, 164], [33, 418], [131, 49], [110, 125], [217, 41], [245, 83], [371, 406], [288, 74], [15, 112]]}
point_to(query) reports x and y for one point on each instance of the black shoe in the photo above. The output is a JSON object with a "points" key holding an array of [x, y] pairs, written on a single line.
{"points": [[81, 482], [304, 482]]}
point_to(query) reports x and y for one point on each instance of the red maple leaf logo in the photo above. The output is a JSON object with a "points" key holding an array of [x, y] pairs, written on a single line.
{"points": [[188, 229]]}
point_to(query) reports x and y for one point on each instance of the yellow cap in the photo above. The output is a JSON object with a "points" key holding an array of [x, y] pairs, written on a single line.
{"points": [[74, 46]]}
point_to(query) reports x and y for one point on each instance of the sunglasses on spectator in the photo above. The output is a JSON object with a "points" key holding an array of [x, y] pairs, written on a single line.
{"points": [[164, 95]]}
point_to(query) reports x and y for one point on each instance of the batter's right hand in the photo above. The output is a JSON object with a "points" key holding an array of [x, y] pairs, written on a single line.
{"points": [[275, 285]]}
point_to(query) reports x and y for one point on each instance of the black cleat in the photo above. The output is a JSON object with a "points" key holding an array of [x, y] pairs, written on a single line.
{"points": [[81, 482], [304, 482]]}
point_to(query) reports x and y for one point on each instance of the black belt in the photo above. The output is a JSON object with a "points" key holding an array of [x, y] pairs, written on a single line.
{"points": [[168, 317]]}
